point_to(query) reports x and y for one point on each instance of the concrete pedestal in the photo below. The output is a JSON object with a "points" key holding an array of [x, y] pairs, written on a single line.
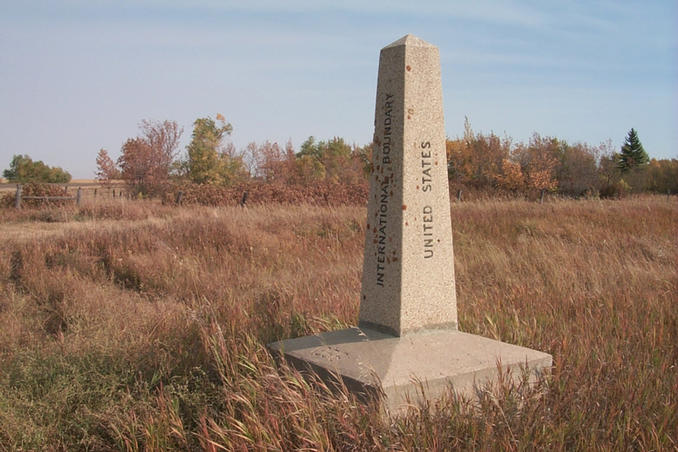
{"points": [[394, 368]]}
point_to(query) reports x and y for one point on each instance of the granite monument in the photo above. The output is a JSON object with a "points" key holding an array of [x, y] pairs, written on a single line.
{"points": [[407, 339]]}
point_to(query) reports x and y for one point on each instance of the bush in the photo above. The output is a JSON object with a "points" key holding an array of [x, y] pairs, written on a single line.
{"points": [[325, 194]]}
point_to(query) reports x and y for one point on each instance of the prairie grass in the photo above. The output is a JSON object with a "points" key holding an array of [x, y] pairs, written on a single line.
{"points": [[137, 326]]}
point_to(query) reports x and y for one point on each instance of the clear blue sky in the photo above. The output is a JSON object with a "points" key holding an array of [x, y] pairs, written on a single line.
{"points": [[79, 75]]}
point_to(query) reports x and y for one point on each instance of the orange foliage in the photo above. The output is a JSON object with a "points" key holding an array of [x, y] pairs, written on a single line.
{"points": [[512, 177], [477, 159], [538, 160]]}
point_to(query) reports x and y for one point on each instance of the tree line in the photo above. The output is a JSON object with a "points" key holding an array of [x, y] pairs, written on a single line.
{"points": [[23, 169], [152, 163], [488, 162]]}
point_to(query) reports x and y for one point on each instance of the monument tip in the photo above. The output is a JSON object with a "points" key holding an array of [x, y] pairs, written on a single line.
{"points": [[410, 41]]}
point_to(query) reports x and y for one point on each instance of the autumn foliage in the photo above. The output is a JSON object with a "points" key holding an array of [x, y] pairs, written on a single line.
{"points": [[329, 171], [107, 171], [37, 189], [147, 160], [487, 163], [259, 192]]}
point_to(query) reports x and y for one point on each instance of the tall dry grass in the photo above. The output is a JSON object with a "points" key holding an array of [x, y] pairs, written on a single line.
{"points": [[144, 327]]}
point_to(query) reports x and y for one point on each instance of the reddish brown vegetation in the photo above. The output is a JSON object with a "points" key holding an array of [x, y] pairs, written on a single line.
{"points": [[254, 193], [494, 165], [106, 169], [42, 190], [146, 329], [147, 160]]}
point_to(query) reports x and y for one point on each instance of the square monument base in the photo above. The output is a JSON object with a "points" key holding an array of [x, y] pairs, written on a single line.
{"points": [[372, 363]]}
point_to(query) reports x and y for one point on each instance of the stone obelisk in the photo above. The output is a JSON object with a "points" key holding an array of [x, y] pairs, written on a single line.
{"points": [[408, 268], [407, 331]]}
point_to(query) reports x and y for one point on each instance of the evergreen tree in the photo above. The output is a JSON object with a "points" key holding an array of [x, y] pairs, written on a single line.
{"points": [[632, 153]]}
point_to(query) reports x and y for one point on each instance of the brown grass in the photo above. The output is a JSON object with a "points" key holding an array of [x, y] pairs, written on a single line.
{"points": [[144, 327]]}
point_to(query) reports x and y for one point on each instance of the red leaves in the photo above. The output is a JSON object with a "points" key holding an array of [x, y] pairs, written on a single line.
{"points": [[323, 193]]}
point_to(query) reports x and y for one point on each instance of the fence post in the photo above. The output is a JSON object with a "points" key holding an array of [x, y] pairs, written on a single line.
{"points": [[459, 195], [95, 192], [114, 192], [17, 199], [78, 197], [179, 197], [244, 199], [541, 198]]}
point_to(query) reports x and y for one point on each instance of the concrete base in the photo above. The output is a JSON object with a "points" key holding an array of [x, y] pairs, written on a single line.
{"points": [[371, 363]]}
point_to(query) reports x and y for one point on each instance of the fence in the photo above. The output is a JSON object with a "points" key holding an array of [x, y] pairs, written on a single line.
{"points": [[261, 193], [19, 197], [82, 194]]}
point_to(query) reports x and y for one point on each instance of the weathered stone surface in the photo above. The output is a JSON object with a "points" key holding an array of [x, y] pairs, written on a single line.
{"points": [[370, 362], [408, 314], [408, 268]]}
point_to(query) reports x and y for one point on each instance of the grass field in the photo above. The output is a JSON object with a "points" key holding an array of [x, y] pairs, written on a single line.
{"points": [[136, 326]]}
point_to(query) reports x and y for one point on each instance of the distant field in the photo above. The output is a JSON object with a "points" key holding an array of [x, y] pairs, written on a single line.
{"points": [[7, 187], [132, 325]]}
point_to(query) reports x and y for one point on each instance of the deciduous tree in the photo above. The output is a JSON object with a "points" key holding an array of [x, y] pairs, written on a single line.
{"points": [[208, 161], [332, 161], [477, 159], [663, 176], [512, 177], [106, 168], [576, 172], [163, 139], [23, 169], [267, 161], [538, 160], [135, 165], [147, 160]]}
